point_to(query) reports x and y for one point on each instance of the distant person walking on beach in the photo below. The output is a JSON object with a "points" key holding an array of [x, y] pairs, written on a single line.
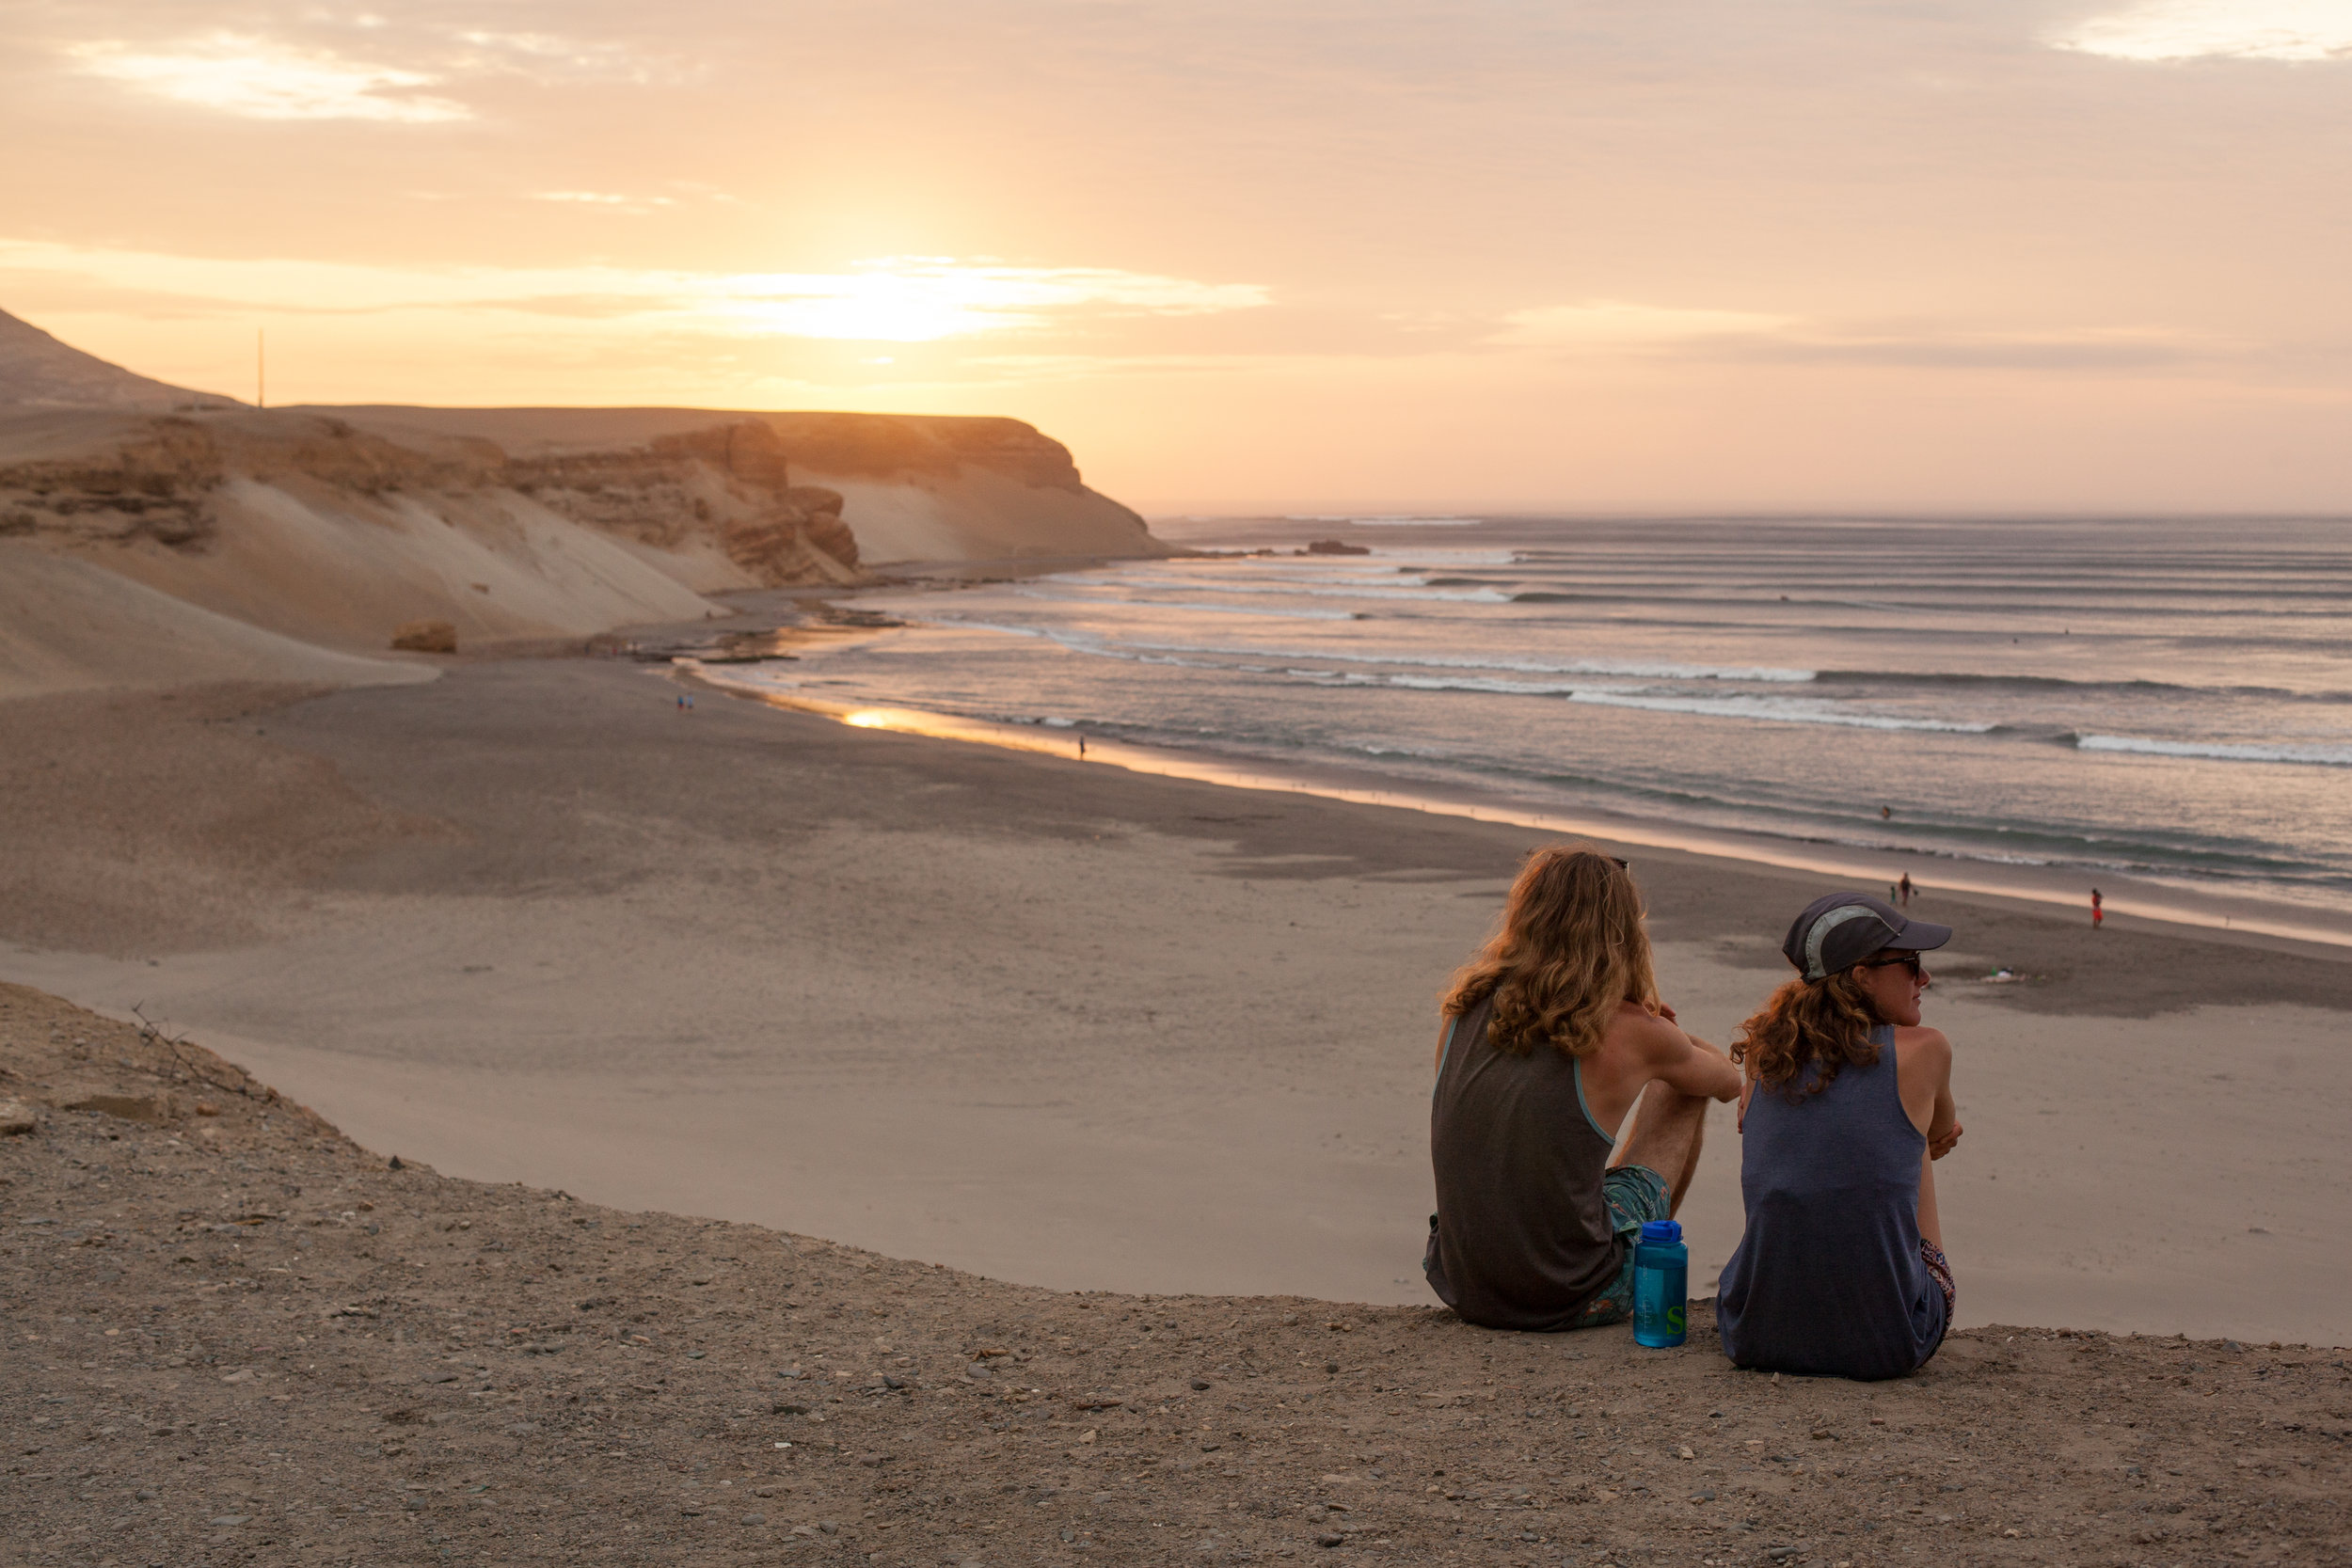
{"points": [[1552, 1037], [1841, 1272], [1905, 887], [2098, 910]]}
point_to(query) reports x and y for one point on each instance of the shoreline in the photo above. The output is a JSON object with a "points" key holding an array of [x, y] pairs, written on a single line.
{"points": [[1085, 1028], [2293, 928]]}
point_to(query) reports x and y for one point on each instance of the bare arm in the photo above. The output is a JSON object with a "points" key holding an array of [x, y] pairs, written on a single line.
{"points": [[1924, 1069], [1689, 1064]]}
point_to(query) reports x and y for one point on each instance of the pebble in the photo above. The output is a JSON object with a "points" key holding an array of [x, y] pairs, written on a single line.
{"points": [[16, 1116], [232, 1519], [754, 1518]]}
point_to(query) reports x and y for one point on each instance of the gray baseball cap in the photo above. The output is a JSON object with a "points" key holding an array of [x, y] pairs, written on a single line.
{"points": [[1838, 930]]}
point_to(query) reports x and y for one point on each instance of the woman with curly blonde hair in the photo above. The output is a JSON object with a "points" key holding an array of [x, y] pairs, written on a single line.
{"points": [[1848, 1101], [1552, 1043]]}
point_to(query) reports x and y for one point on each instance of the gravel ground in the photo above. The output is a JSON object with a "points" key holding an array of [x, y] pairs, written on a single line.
{"points": [[236, 1337]]}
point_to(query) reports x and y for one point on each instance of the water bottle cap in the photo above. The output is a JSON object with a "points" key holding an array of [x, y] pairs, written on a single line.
{"points": [[1661, 1230]]}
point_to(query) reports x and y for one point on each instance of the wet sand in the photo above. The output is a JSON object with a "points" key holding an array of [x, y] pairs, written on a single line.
{"points": [[1056, 1023]]}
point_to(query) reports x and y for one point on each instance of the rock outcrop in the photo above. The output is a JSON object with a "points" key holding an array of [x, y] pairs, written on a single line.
{"points": [[914, 487], [725, 489], [426, 637], [728, 483]]}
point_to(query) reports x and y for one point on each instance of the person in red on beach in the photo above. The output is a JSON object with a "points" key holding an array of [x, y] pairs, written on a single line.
{"points": [[2098, 910]]}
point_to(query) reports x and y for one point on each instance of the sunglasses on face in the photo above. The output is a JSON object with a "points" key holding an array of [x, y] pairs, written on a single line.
{"points": [[1909, 961]]}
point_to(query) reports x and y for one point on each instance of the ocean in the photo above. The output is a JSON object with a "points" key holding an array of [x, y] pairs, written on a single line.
{"points": [[2165, 705]]}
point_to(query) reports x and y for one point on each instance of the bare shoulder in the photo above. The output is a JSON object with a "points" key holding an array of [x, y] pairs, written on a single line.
{"points": [[1927, 1048], [1644, 1030]]}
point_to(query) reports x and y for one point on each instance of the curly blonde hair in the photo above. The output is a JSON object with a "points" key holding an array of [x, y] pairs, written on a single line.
{"points": [[1570, 949], [1805, 1032]]}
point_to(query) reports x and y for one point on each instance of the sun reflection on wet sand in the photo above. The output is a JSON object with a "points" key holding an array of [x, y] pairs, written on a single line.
{"points": [[2149, 902]]}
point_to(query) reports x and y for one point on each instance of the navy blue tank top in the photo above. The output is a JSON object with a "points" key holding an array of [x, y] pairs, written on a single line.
{"points": [[1828, 1280]]}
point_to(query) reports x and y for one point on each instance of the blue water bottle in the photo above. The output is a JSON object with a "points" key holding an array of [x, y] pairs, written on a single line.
{"points": [[1661, 1286]]}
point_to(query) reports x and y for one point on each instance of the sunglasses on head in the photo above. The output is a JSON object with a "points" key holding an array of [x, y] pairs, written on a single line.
{"points": [[1909, 961]]}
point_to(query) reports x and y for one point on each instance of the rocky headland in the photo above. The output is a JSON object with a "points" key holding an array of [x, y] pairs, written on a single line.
{"points": [[337, 528]]}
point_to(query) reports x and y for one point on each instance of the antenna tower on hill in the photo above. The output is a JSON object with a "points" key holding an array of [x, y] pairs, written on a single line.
{"points": [[261, 373]]}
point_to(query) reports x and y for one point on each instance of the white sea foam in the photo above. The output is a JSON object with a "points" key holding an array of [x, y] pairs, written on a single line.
{"points": [[1300, 614], [1486, 683], [1389, 519], [1631, 667], [1332, 589], [1775, 711], [2215, 751]]}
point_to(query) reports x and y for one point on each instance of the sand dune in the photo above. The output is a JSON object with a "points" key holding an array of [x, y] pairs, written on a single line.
{"points": [[69, 626], [344, 570]]}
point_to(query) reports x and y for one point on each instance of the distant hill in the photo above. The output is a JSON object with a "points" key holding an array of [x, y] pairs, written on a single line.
{"points": [[39, 371], [149, 534]]}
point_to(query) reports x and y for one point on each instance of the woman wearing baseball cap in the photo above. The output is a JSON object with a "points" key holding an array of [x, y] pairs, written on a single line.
{"points": [[1848, 1101]]}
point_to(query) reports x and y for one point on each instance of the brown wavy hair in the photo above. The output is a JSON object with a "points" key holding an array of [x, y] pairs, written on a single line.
{"points": [[1569, 950], [1807, 1032]]}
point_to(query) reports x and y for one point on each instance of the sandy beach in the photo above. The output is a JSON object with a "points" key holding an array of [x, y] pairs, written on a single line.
{"points": [[238, 1336], [1051, 1022]]}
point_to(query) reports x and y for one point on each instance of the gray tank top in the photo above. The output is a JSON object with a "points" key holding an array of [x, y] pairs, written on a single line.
{"points": [[1521, 1238], [1828, 1280]]}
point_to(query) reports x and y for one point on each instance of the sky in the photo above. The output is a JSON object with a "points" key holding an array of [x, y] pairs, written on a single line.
{"points": [[1279, 255]]}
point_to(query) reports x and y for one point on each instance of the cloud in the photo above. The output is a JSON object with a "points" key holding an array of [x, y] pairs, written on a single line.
{"points": [[258, 78], [1621, 329], [2217, 29], [606, 199], [552, 57], [903, 299], [1615, 325]]}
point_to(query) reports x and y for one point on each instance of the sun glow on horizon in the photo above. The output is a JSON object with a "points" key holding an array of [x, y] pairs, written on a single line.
{"points": [[886, 299]]}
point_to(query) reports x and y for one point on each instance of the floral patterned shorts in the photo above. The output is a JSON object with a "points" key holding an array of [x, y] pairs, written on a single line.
{"points": [[1634, 1194], [1939, 1269]]}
